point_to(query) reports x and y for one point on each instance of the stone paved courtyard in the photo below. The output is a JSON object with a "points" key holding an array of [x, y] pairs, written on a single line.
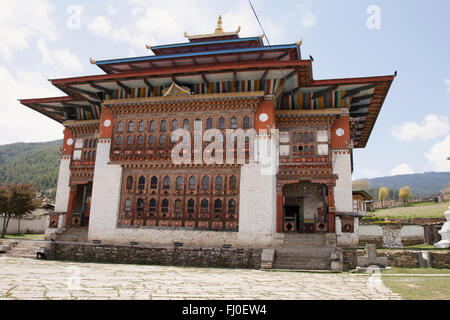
{"points": [[37, 279]]}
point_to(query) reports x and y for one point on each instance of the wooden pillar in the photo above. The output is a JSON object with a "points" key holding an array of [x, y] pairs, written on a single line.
{"points": [[279, 208], [331, 209], [71, 205]]}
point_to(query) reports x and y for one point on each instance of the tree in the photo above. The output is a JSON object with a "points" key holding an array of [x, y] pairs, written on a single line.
{"points": [[383, 194], [362, 184], [20, 200], [4, 202], [405, 194]]}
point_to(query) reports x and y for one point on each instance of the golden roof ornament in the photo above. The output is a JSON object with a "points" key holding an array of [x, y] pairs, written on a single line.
{"points": [[219, 28], [92, 61]]}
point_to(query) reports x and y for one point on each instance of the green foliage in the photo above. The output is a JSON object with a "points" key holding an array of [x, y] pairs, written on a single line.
{"points": [[35, 163], [405, 193], [383, 193]]}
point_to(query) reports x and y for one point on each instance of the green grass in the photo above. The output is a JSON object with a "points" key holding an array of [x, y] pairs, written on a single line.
{"points": [[418, 210], [25, 236], [394, 270], [419, 287]]}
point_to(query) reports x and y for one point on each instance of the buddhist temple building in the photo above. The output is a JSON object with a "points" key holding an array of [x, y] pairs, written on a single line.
{"points": [[118, 179]]}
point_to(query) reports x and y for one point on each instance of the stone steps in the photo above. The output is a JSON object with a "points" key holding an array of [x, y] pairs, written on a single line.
{"points": [[303, 258], [26, 248], [73, 234]]}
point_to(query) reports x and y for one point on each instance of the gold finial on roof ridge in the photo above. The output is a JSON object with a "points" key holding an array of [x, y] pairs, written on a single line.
{"points": [[219, 28]]}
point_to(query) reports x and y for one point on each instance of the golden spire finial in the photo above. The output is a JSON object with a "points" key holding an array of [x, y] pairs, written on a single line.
{"points": [[219, 28]]}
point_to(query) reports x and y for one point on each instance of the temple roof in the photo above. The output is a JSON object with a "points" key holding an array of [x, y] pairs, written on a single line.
{"points": [[219, 63]]}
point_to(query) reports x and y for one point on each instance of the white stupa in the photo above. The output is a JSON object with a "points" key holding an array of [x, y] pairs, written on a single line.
{"points": [[445, 233]]}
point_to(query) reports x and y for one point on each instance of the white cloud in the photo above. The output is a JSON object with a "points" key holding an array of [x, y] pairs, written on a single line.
{"points": [[113, 10], [447, 82], [23, 21], [20, 123], [308, 19], [432, 127], [157, 23], [438, 154], [366, 174], [100, 26], [402, 168], [61, 61]]}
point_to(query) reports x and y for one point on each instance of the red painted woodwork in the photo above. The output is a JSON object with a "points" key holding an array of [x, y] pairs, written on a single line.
{"points": [[343, 141], [280, 211], [267, 107], [68, 149]]}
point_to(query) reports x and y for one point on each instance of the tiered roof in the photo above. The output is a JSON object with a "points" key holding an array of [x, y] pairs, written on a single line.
{"points": [[219, 63]]}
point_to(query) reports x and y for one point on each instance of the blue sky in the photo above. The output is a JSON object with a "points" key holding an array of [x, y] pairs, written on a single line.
{"points": [[52, 39]]}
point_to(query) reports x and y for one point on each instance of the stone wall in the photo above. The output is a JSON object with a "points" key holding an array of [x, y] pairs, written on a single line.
{"points": [[170, 256], [396, 258], [440, 260], [411, 235], [28, 224]]}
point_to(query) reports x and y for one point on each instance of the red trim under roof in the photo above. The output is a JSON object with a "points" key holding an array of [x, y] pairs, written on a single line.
{"points": [[349, 80], [189, 69]]}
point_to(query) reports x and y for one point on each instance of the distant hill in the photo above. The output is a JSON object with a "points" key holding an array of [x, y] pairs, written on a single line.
{"points": [[36, 163], [421, 184]]}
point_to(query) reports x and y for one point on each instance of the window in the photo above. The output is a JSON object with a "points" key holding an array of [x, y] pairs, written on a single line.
{"points": [[209, 123], [294, 138], [311, 149], [127, 205], [311, 137], [129, 140], [221, 123], [355, 205], [198, 124], [205, 206], [166, 183], [140, 206], [178, 207], [246, 122], [154, 183], [219, 183], [191, 207], [174, 125], [86, 143], [152, 207], [186, 124], [163, 125], [141, 183], [162, 140], [165, 207], [131, 126], [152, 126], [151, 141], [232, 206], [130, 183], [233, 183], [218, 208], [233, 123], [305, 137], [120, 126], [141, 126], [192, 183], [91, 143], [140, 140], [179, 183], [205, 183]]}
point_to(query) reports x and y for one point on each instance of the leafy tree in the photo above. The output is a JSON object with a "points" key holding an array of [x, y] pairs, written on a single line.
{"points": [[362, 184], [383, 193], [405, 194], [4, 202], [20, 200]]}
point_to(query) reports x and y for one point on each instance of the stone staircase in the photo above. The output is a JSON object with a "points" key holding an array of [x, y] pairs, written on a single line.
{"points": [[24, 248], [6, 245], [306, 251], [303, 258], [73, 234]]}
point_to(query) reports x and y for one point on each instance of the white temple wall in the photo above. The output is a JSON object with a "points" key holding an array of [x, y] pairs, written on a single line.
{"points": [[347, 239], [63, 188], [343, 189]]}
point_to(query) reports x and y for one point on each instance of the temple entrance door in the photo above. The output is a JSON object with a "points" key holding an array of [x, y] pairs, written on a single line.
{"points": [[81, 212], [293, 215]]}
